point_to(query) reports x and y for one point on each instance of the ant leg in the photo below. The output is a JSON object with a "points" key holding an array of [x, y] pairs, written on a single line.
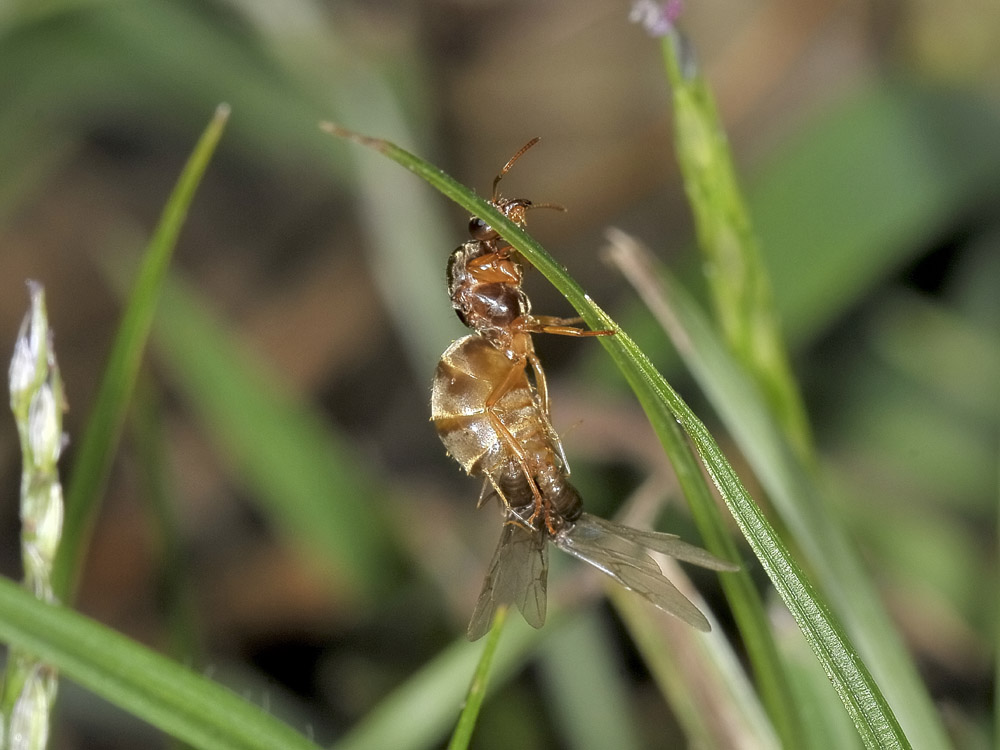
{"points": [[504, 386], [541, 384], [528, 524], [516, 371], [522, 459], [556, 320], [488, 492], [562, 327]]}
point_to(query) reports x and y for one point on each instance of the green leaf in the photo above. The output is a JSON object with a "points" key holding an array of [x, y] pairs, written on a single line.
{"points": [[100, 440], [171, 697], [797, 499], [741, 592], [477, 690], [736, 275]]}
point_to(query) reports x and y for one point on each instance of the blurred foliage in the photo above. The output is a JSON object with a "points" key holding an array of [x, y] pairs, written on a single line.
{"points": [[866, 137]]}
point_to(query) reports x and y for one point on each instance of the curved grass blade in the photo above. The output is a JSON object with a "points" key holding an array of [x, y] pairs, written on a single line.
{"points": [[477, 690], [100, 439], [154, 688], [749, 613], [861, 696], [794, 495]]}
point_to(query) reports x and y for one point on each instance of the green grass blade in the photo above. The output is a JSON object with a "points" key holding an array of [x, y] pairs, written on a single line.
{"points": [[462, 736], [100, 439], [741, 592], [739, 283], [157, 690], [861, 696], [798, 501], [418, 713]]}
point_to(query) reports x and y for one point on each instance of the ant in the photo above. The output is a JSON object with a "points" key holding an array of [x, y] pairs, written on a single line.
{"points": [[484, 281]]}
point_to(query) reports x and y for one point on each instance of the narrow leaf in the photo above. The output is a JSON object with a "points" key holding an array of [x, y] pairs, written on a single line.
{"points": [[477, 690], [796, 498], [100, 440], [737, 278]]}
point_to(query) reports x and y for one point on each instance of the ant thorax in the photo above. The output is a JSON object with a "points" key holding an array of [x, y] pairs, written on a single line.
{"points": [[484, 283]]}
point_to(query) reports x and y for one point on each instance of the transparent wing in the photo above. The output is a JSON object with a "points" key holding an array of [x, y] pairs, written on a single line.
{"points": [[618, 551], [668, 544], [517, 576]]}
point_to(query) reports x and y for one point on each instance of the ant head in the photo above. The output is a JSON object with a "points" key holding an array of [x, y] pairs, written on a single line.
{"points": [[513, 208]]}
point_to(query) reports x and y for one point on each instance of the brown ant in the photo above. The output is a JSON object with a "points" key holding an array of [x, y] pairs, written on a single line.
{"points": [[484, 281]]}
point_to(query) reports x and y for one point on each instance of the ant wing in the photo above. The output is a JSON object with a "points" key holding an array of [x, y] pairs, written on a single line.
{"points": [[517, 576], [668, 544], [618, 551]]}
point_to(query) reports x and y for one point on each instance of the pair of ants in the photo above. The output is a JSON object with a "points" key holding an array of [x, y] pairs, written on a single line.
{"points": [[495, 421], [482, 390]]}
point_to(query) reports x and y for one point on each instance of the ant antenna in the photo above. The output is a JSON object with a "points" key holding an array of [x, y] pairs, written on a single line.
{"points": [[556, 206], [510, 163]]}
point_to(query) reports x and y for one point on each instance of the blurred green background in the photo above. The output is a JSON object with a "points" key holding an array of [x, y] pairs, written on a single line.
{"points": [[868, 137]]}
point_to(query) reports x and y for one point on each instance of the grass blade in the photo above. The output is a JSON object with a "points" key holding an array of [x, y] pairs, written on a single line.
{"points": [[100, 439], [738, 281], [418, 713], [741, 592], [477, 690], [795, 497], [167, 695], [864, 701]]}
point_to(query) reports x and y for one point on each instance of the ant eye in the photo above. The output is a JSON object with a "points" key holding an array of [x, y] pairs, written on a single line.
{"points": [[480, 230]]}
